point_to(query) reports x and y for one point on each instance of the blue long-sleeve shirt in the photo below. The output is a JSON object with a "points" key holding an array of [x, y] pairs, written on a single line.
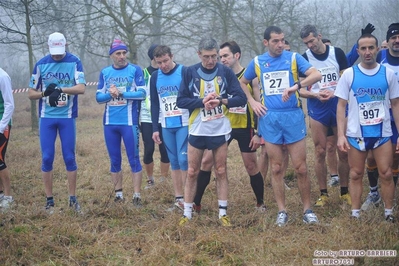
{"points": [[129, 80], [352, 56]]}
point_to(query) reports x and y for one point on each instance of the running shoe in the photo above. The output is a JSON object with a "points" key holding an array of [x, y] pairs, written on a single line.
{"points": [[282, 218], [119, 199], [6, 202], [75, 206], [261, 207], [309, 217], [372, 200], [225, 221], [137, 202], [150, 184], [196, 208], [390, 218], [346, 198], [49, 207], [179, 204], [183, 220], [333, 182], [321, 201]]}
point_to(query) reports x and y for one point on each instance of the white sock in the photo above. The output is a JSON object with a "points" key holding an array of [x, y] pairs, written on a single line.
{"points": [[119, 194], [188, 209], [136, 195], [222, 208], [179, 198], [374, 190]]}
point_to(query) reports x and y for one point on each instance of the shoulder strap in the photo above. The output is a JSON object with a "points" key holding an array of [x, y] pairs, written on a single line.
{"points": [[294, 68]]}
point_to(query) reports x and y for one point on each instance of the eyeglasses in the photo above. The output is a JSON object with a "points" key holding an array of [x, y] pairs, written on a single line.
{"points": [[207, 57]]}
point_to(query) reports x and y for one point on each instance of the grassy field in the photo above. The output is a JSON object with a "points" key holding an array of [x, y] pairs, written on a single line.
{"points": [[109, 234]]}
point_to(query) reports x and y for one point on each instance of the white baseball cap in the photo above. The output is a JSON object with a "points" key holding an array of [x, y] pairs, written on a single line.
{"points": [[56, 43]]}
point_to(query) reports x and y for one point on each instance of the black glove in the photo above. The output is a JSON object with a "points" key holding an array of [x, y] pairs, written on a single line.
{"points": [[368, 29], [53, 99], [49, 90]]}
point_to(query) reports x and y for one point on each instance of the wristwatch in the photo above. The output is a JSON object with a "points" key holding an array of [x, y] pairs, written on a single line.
{"points": [[220, 100], [299, 85]]}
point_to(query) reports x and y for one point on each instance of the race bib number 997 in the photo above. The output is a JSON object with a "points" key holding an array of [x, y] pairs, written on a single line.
{"points": [[371, 113]]}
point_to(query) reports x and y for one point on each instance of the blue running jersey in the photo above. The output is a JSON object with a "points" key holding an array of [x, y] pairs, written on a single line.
{"points": [[276, 74], [123, 110], [65, 73], [164, 88]]}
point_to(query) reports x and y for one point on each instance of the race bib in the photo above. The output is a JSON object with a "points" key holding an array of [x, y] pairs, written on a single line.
{"points": [[371, 113], [242, 110], [169, 107], [329, 79], [215, 113], [118, 101], [62, 100], [276, 82]]}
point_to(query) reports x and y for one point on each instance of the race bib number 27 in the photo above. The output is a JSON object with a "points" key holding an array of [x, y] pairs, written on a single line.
{"points": [[276, 82]]}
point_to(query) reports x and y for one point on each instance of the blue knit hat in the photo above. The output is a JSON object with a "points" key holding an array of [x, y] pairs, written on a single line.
{"points": [[117, 45]]}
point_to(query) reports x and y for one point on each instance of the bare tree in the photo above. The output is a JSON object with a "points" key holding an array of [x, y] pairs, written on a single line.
{"points": [[390, 15], [141, 23], [18, 31]]}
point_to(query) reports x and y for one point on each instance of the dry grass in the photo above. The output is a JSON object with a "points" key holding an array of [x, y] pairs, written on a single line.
{"points": [[107, 234]]}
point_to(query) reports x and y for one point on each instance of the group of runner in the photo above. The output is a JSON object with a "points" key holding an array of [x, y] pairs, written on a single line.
{"points": [[194, 112]]}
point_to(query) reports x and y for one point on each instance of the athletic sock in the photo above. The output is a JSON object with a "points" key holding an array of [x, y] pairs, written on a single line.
{"points": [[395, 176], [344, 190], [374, 190], [372, 174], [179, 198], [203, 179], [222, 208], [258, 187], [188, 210], [119, 193], [136, 195], [50, 201], [335, 177]]}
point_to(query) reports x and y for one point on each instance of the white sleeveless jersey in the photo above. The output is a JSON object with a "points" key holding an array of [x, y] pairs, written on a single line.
{"points": [[328, 68]]}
